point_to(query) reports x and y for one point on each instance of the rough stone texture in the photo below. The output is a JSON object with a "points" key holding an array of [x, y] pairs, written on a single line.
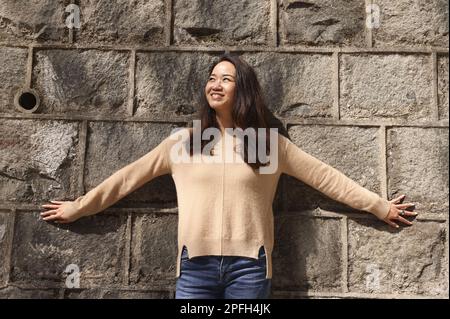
{"points": [[38, 160], [145, 294], [354, 151], [12, 292], [82, 81], [168, 84], [443, 86], [295, 85], [115, 294], [417, 162], [153, 251], [322, 22], [42, 250], [12, 76], [22, 20], [307, 254], [113, 145], [5, 226], [409, 261], [385, 86], [412, 23], [233, 22], [123, 21]]}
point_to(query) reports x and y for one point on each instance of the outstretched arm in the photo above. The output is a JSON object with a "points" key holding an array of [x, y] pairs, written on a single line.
{"points": [[336, 185], [112, 189]]}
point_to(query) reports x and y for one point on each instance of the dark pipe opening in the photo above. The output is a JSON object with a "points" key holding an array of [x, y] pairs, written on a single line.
{"points": [[27, 100]]}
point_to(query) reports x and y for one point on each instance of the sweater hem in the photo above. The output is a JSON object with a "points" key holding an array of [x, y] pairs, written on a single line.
{"points": [[226, 247]]}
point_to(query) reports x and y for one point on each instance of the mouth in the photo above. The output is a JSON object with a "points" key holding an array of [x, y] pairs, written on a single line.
{"points": [[216, 95]]}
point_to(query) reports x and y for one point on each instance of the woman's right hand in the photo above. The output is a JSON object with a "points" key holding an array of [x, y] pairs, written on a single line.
{"points": [[59, 212]]}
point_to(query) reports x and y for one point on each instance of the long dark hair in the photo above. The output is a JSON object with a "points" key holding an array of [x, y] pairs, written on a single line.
{"points": [[249, 110]]}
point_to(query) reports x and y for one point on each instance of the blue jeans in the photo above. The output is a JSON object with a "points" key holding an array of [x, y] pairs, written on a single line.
{"points": [[223, 277]]}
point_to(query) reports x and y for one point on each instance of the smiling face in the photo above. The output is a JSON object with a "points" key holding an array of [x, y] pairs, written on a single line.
{"points": [[221, 86]]}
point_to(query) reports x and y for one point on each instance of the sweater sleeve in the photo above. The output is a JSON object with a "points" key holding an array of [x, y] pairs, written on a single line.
{"points": [[330, 181], [122, 182]]}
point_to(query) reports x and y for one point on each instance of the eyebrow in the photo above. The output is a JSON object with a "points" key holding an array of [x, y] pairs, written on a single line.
{"points": [[213, 74]]}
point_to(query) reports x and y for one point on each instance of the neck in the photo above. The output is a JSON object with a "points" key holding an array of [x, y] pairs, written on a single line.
{"points": [[224, 121]]}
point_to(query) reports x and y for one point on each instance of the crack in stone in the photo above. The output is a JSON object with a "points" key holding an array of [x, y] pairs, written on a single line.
{"points": [[16, 27], [326, 22], [202, 32], [302, 5], [184, 110], [12, 177], [291, 107]]}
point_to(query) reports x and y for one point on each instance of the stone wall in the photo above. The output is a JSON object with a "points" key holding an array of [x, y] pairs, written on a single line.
{"points": [[367, 96]]}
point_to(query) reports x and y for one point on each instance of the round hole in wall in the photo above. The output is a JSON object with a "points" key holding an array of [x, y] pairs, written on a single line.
{"points": [[27, 100]]}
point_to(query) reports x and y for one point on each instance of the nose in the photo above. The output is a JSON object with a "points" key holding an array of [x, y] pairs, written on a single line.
{"points": [[217, 85]]}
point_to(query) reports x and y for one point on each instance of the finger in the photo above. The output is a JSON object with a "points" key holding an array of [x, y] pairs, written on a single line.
{"points": [[56, 201], [398, 198], [405, 221], [390, 222], [408, 213], [403, 206], [47, 213], [51, 217], [50, 206]]}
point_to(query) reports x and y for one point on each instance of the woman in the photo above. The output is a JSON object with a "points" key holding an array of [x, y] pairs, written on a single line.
{"points": [[225, 225]]}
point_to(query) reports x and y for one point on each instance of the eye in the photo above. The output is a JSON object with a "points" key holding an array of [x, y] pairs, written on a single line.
{"points": [[210, 79]]}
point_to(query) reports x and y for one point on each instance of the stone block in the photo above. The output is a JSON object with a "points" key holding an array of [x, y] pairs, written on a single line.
{"points": [[38, 160], [410, 261], [45, 253], [307, 254], [385, 86], [88, 82], [234, 22], [322, 22], [417, 163]]}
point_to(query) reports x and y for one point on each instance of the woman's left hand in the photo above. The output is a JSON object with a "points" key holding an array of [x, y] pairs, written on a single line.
{"points": [[398, 212]]}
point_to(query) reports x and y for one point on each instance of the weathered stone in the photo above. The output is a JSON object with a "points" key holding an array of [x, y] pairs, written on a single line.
{"points": [[234, 22], [82, 81], [123, 21], [409, 261], [78, 293], [385, 86], [114, 145], [13, 63], [135, 294], [115, 294], [443, 86], [295, 85], [417, 162], [5, 227], [412, 23], [41, 21], [169, 84], [354, 151], [43, 251], [38, 160], [307, 254], [322, 22], [303, 295], [12, 292], [153, 250]]}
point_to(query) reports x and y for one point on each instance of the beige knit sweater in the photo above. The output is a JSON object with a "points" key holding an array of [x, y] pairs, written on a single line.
{"points": [[226, 208]]}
